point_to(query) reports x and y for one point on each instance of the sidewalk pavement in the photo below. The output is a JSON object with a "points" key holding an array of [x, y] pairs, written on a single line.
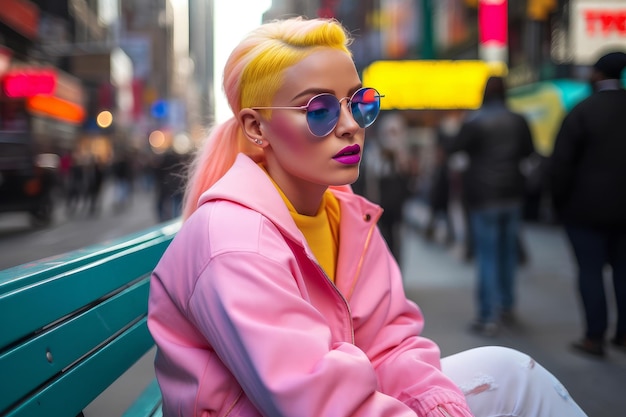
{"points": [[548, 311]]}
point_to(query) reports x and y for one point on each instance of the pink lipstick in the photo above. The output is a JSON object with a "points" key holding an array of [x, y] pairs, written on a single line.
{"points": [[350, 155]]}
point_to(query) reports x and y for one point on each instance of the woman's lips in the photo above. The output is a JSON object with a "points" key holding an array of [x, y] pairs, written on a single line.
{"points": [[349, 155]]}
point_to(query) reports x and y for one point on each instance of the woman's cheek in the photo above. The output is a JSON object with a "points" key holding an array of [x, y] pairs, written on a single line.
{"points": [[288, 131]]}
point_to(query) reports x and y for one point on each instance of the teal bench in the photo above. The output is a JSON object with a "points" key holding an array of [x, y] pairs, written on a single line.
{"points": [[70, 325]]}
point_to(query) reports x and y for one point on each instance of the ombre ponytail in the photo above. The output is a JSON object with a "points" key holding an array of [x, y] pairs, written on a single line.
{"points": [[216, 155]]}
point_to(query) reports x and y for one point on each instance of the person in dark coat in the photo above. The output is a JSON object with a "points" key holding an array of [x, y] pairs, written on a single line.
{"points": [[95, 178], [496, 141], [588, 184], [170, 182], [439, 195]]}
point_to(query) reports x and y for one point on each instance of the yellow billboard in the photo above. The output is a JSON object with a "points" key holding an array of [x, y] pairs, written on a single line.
{"points": [[442, 84]]}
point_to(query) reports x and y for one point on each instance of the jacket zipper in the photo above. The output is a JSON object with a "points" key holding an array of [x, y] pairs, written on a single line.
{"points": [[343, 298], [358, 272], [345, 302], [360, 264]]}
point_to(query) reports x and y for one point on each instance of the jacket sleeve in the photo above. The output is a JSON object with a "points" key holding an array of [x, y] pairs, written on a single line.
{"points": [[278, 346], [388, 328]]}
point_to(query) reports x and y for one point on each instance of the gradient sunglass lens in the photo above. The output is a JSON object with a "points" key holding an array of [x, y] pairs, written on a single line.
{"points": [[323, 114], [365, 106]]}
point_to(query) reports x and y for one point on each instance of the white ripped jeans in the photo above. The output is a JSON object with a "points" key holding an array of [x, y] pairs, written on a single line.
{"points": [[502, 382]]}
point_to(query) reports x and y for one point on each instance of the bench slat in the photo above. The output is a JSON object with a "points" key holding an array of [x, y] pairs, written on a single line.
{"points": [[148, 403], [75, 389], [71, 325], [27, 365], [26, 310]]}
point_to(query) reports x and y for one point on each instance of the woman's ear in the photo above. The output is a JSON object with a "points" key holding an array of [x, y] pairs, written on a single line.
{"points": [[251, 122]]}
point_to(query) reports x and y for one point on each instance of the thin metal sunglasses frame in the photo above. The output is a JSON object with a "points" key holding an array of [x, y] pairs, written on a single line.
{"points": [[306, 106]]}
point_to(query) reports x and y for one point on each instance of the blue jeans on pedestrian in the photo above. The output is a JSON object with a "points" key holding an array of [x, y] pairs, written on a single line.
{"points": [[594, 249], [495, 231]]}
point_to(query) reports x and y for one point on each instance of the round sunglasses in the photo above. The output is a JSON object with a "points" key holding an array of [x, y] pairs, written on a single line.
{"points": [[322, 110]]}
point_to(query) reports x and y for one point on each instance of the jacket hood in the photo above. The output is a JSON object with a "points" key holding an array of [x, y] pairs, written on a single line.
{"points": [[258, 193]]}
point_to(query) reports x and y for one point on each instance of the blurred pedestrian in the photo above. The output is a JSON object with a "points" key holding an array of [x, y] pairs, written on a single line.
{"points": [[65, 166], [588, 180], [170, 182], [439, 195], [457, 165], [496, 141], [75, 198], [94, 173], [122, 170], [392, 178], [278, 295]]}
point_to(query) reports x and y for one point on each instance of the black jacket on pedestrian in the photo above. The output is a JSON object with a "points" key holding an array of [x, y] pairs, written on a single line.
{"points": [[496, 140], [588, 164]]}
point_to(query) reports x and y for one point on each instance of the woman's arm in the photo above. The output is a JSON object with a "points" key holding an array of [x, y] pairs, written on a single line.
{"points": [[388, 329]]}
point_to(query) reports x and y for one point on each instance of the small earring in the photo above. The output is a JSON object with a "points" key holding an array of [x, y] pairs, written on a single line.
{"points": [[258, 141]]}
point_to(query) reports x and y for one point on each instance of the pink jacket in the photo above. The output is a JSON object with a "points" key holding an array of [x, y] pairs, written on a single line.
{"points": [[247, 324]]}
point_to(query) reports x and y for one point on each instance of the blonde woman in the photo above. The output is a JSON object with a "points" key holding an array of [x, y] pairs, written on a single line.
{"points": [[279, 296]]}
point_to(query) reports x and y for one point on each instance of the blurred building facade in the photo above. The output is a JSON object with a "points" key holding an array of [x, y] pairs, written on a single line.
{"points": [[545, 39], [102, 74], [149, 63], [39, 98]]}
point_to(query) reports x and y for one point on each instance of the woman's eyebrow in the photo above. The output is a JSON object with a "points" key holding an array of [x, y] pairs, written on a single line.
{"points": [[312, 91]]}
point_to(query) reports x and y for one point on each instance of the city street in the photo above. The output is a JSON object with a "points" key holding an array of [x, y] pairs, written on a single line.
{"points": [[435, 277], [20, 243]]}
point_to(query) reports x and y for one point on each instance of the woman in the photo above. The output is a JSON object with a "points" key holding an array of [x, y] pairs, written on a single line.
{"points": [[279, 297]]}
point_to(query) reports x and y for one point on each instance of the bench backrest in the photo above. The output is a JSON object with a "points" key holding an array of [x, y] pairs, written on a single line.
{"points": [[72, 324]]}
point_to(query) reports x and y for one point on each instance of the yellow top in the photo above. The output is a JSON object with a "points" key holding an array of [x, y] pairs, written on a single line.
{"points": [[320, 231]]}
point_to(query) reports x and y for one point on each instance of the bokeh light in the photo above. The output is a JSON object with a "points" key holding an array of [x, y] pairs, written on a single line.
{"points": [[104, 119]]}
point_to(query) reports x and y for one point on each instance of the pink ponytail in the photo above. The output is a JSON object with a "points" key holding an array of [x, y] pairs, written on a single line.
{"points": [[202, 173]]}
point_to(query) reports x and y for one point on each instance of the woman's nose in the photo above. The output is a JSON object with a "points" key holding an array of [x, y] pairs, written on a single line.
{"points": [[346, 126]]}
